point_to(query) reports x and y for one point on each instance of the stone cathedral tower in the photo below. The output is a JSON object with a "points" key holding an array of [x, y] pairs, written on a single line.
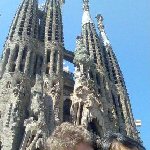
{"points": [[37, 94]]}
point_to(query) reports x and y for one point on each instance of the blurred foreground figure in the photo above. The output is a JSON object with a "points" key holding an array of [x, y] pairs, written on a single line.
{"points": [[117, 141], [70, 137]]}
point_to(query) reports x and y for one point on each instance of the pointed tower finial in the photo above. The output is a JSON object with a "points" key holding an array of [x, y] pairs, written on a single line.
{"points": [[100, 21], [102, 30], [86, 14], [86, 5]]}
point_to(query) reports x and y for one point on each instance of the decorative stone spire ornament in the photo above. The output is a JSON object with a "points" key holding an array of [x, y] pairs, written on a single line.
{"points": [[86, 18], [102, 30]]}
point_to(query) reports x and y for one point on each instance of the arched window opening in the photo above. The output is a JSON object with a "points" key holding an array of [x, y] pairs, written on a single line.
{"points": [[95, 128], [16, 53], [23, 59], [13, 68], [66, 110], [98, 79], [35, 65], [95, 58], [55, 61], [47, 70], [115, 104], [120, 106], [35, 31], [99, 91], [91, 75], [48, 56], [7, 54], [15, 56], [24, 53]]}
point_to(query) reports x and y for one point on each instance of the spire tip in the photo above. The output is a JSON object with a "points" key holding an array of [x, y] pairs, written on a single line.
{"points": [[99, 17]]}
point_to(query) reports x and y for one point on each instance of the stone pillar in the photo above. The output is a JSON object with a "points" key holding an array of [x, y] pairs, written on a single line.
{"points": [[8, 66], [58, 63], [4, 60], [27, 63], [51, 63]]}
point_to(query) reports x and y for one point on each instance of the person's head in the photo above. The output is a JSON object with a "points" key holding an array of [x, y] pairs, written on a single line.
{"points": [[119, 142], [70, 137]]}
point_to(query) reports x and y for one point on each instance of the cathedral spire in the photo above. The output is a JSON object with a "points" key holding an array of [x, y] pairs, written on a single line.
{"points": [[102, 30], [86, 18], [119, 82]]}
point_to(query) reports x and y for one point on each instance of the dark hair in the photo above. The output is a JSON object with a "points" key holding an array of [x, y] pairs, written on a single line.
{"points": [[68, 136], [126, 141]]}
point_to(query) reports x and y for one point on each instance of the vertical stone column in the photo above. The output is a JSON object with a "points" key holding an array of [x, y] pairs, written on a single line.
{"points": [[27, 63], [78, 114], [58, 63], [8, 66], [4, 60], [51, 72]]}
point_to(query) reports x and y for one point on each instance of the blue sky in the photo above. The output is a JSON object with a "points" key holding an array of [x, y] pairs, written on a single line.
{"points": [[127, 23]]}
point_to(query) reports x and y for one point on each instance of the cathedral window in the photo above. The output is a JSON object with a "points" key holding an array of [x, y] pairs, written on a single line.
{"points": [[93, 46], [40, 65], [23, 59], [21, 26], [94, 127], [120, 106], [24, 53], [99, 91], [91, 75], [98, 79], [55, 57], [66, 110], [16, 52], [48, 56], [35, 31], [15, 56], [13, 67], [115, 104], [95, 58], [47, 70], [49, 38], [35, 65]]}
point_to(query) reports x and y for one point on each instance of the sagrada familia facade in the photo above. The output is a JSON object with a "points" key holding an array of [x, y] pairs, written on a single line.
{"points": [[37, 94]]}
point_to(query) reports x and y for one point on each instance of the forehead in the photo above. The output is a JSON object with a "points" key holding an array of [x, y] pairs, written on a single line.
{"points": [[84, 146]]}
